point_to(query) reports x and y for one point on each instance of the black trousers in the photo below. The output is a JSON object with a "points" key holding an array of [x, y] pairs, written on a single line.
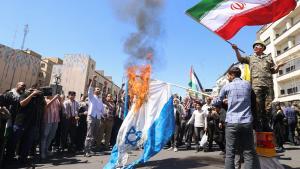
{"points": [[114, 133], [81, 133], [68, 130], [182, 131], [189, 134], [210, 134], [199, 132], [2, 140]]}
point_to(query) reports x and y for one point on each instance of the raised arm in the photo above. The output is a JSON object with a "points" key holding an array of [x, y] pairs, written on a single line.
{"points": [[91, 87], [238, 55], [26, 101], [52, 100]]}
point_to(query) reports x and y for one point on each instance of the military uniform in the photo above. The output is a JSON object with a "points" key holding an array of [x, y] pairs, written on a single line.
{"points": [[261, 68]]}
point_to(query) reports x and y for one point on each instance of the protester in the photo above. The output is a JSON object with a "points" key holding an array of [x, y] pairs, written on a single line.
{"points": [[190, 107], [262, 68], [219, 133], [278, 127], [22, 133], [106, 122], [183, 119], [120, 103], [238, 131], [82, 123], [200, 124], [177, 113], [207, 106], [69, 122], [297, 111], [50, 123], [4, 116], [56, 143], [95, 111], [291, 119], [32, 117]]}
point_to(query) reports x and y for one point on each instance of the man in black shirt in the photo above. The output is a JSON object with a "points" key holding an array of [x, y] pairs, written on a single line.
{"points": [[19, 109]]}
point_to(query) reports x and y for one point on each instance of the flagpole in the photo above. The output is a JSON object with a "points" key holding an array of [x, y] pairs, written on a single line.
{"points": [[214, 32], [172, 84], [202, 93]]}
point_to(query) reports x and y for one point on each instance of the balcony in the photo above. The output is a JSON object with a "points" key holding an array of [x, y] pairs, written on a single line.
{"points": [[288, 97], [287, 76], [287, 32], [288, 52]]}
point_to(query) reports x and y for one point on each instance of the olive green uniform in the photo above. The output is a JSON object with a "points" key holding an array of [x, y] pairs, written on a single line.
{"points": [[261, 68]]}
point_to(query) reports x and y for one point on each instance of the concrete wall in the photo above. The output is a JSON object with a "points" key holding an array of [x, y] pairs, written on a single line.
{"points": [[77, 69], [15, 66]]}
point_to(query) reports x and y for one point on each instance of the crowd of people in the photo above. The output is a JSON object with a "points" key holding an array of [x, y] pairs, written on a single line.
{"points": [[34, 126]]}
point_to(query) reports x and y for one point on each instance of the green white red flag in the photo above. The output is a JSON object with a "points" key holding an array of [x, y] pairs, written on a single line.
{"points": [[227, 17]]}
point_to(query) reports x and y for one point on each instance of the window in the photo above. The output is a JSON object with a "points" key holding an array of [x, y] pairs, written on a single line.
{"points": [[43, 65], [288, 70], [293, 67], [278, 52], [280, 72], [290, 91], [282, 92], [295, 89], [267, 41], [285, 49]]}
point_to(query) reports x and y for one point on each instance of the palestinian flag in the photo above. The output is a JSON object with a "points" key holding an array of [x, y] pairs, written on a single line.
{"points": [[194, 81], [227, 17]]}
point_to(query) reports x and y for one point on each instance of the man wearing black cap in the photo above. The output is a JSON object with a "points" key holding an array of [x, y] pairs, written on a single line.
{"points": [[262, 68]]}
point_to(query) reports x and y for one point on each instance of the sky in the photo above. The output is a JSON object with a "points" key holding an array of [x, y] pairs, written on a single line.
{"points": [[58, 27]]}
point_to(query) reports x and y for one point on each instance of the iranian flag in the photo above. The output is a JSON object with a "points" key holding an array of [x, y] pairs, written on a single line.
{"points": [[227, 17]]}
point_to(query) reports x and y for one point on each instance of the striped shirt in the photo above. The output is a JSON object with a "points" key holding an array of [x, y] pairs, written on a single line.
{"points": [[52, 112], [71, 108]]}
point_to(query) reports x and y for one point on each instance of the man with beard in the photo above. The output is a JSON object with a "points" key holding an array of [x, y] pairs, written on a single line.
{"points": [[15, 128], [95, 110]]}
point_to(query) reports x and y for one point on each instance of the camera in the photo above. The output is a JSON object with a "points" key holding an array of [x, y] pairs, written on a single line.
{"points": [[47, 91]]}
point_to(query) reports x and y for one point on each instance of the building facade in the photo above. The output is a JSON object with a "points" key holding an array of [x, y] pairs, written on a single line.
{"points": [[76, 72], [283, 44], [18, 66], [45, 73]]}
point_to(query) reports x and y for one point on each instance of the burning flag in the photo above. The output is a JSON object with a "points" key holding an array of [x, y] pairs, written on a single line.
{"points": [[150, 125]]}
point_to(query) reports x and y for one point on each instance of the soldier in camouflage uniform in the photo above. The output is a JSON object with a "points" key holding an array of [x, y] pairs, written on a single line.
{"points": [[262, 68]]}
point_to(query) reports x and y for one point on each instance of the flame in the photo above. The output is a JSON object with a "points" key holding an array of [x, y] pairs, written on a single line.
{"points": [[138, 85]]}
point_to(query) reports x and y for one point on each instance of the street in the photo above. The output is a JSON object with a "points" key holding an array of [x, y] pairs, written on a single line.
{"points": [[164, 160]]}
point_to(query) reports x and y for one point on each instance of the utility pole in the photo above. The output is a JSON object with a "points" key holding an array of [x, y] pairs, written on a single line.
{"points": [[26, 30]]}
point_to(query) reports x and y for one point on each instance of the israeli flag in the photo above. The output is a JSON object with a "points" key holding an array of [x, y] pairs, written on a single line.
{"points": [[150, 127]]}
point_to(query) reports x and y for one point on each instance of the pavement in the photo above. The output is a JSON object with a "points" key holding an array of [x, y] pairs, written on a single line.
{"points": [[183, 159]]}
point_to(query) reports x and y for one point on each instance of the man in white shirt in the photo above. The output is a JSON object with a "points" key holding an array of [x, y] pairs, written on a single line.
{"points": [[207, 106], [95, 112]]}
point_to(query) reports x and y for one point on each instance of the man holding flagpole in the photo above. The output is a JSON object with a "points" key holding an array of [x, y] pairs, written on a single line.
{"points": [[262, 68]]}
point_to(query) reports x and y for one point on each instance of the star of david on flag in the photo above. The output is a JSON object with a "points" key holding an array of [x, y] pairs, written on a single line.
{"points": [[151, 127]]}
